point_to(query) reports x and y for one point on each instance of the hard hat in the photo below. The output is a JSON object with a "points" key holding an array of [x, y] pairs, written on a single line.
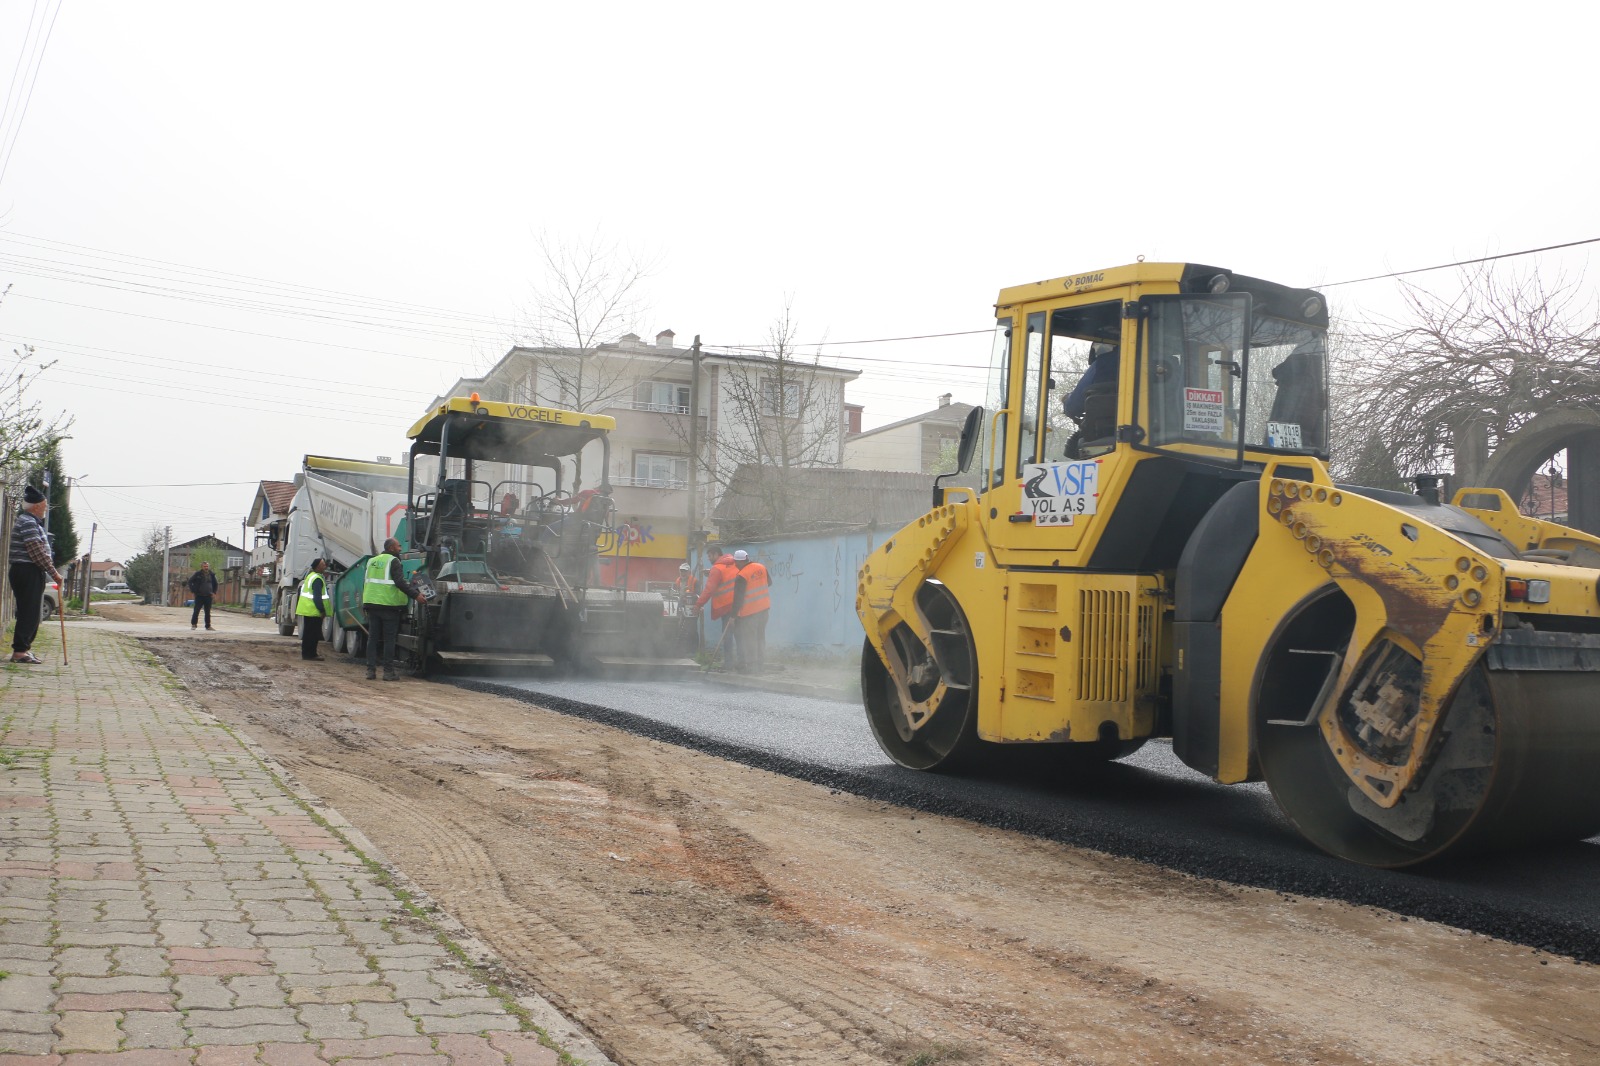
{"points": [[740, 556], [683, 566]]}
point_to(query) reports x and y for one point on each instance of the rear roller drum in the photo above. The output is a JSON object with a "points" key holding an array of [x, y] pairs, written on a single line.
{"points": [[1512, 763], [948, 738]]}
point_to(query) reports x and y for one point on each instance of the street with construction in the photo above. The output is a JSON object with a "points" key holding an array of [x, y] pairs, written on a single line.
{"points": [[829, 535], [219, 854]]}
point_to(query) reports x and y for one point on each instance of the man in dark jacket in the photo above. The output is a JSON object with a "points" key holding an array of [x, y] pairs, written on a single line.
{"points": [[203, 584], [30, 562]]}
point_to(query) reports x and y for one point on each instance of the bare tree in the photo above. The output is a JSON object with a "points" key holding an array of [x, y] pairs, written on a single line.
{"points": [[28, 436], [778, 414], [587, 296], [1485, 360]]}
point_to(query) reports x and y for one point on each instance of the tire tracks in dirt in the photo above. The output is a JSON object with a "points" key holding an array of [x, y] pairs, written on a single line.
{"points": [[686, 909]]}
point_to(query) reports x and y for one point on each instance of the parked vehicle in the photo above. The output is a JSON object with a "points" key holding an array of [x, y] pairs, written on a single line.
{"points": [[117, 588], [52, 603], [343, 510]]}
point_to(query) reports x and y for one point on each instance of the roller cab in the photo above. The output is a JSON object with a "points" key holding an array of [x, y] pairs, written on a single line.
{"points": [[1145, 541]]}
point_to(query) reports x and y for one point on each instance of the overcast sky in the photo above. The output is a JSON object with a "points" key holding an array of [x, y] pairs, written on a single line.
{"points": [[358, 187]]}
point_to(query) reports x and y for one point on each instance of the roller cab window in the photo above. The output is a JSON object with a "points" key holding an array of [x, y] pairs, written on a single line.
{"points": [[1221, 376]]}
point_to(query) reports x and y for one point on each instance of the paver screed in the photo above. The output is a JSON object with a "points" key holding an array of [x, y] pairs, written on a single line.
{"points": [[166, 900]]}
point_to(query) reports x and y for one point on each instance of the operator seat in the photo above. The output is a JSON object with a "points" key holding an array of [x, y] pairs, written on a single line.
{"points": [[455, 499], [1298, 399]]}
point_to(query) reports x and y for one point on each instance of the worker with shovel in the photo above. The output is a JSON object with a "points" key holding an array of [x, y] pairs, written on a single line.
{"points": [[719, 590]]}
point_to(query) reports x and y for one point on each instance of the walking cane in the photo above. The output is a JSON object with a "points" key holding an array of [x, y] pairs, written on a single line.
{"points": [[62, 614]]}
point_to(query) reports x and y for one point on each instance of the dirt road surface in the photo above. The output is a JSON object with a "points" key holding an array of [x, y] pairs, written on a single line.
{"points": [[689, 910]]}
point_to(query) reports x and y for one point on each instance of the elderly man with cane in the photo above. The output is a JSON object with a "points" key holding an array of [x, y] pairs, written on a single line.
{"points": [[30, 562]]}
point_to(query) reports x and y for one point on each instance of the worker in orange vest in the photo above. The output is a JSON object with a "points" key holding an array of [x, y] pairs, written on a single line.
{"points": [[719, 590], [752, 599]]}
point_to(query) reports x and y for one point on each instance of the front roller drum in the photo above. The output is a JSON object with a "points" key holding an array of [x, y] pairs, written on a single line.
{"points": [[948, 740], [1515, 765]]}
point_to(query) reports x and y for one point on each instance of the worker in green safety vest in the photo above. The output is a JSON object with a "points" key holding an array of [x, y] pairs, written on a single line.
{"points": [[384, 593], [312, 607]]}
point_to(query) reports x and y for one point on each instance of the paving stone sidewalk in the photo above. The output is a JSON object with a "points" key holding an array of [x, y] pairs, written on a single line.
{"points": [[167, 900]]}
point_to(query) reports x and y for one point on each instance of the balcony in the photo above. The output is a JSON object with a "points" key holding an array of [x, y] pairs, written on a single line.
{"points": [[656, 423], [649, 483]]}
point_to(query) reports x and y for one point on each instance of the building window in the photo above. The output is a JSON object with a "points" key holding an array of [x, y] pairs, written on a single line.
{"points": [[235, 561], [668, 397], [660, 471], [789, 391]]}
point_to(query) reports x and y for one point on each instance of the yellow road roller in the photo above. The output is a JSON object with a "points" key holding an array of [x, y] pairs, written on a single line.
{"points": [[1144, 541]]}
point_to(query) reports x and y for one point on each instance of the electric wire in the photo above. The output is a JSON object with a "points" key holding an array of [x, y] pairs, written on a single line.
{"points": [[299, 380], [357, 298], [14, 131], [1461, 262]]}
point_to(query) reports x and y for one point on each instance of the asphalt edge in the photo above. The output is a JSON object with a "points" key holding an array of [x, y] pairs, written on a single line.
{"points": [[1547, 935]]}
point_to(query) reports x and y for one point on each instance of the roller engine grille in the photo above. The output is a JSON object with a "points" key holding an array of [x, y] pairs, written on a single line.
{"points": [[1116, 648]]}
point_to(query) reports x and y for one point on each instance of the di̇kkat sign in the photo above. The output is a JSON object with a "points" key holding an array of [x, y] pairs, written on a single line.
{"points": [[1057, 494]]}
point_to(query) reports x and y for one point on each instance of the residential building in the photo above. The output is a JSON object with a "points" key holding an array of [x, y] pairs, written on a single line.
{"points": [[915, 444], [181, 563], [746, 403], [269, 517], [103, 571]]}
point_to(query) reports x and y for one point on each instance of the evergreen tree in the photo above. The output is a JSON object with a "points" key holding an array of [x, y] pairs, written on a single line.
{"points": [[63, 534]]}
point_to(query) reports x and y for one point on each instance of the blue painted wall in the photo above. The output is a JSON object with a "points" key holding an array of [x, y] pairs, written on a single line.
{"points": [[814, 589]]}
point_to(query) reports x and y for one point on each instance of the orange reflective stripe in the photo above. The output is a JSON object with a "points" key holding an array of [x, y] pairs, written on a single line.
{"points": [[757, 590], [722, 598]]}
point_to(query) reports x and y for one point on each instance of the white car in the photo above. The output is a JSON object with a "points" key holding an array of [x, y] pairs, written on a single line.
{"points": [[117, 588], [52, 603]]}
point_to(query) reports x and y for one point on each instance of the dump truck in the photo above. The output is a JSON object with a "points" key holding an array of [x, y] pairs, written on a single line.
{"points": [[1411, 676], [342, 510], [502, 539]]}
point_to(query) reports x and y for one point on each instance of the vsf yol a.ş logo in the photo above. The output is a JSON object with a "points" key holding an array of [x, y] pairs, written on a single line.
{"points": [[1061, 488]]}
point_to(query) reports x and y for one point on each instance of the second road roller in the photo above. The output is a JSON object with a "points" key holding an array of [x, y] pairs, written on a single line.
{"points": [[1144, 540]]}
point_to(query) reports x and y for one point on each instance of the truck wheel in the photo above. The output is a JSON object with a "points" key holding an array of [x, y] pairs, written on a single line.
{"points": [[358, 640], [286, 629]]}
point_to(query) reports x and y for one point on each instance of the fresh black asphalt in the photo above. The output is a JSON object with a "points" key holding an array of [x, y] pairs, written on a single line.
{"points": [[1149, 807]]}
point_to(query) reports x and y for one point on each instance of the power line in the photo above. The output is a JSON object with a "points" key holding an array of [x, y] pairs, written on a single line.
{"points": [[832, 344], [10, 139], [228, 329], [234, 303], [1461, 262], [203, 271], [211, 370], [171, 485]]}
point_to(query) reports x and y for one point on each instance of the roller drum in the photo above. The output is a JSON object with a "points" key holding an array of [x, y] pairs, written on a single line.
{"points": [[1516, 764]]}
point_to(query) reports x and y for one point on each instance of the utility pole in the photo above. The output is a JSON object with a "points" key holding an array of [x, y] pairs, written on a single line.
{"points": [[88, 570], [166, 564], [694, 455]]}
